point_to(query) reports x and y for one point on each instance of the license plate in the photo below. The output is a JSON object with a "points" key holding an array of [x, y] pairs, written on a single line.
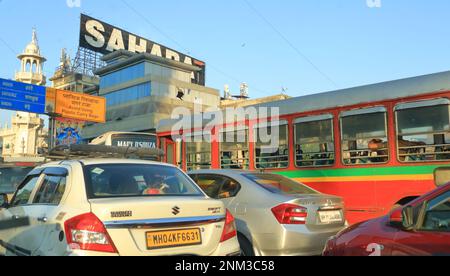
{"points": [[328, 217], [173, 238]]}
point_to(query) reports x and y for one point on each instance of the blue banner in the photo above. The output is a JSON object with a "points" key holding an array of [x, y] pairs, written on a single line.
{"points": [[20, 96]]}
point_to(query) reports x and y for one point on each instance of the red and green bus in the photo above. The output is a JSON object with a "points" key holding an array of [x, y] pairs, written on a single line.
{"points": [[377, 146]]}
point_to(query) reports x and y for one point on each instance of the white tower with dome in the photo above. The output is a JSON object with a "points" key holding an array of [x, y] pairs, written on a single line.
{"points": [[26, 135], [32, 62]]}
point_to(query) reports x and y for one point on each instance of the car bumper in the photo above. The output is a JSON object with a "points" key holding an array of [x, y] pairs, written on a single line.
{"points": [[227, 248], [295, 240]]}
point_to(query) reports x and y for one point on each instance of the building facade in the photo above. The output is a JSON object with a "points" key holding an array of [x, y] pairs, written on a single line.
{"points": [[67, 78], [26, 137], [141, 89]]}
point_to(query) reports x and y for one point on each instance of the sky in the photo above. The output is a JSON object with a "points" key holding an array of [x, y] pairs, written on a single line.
{"points": [[305, 46]]}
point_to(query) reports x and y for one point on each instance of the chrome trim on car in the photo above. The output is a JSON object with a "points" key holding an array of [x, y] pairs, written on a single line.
{"points": [[158, 223]]}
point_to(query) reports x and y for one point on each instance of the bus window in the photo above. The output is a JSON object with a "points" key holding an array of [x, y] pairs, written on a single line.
{"points": [[364, 136], [424, 131], [272, 150], [314, 141], [234, 151], [198, 153]]}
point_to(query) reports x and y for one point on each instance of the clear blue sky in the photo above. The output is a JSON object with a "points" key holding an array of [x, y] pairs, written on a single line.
{"points": [[347, 41]]}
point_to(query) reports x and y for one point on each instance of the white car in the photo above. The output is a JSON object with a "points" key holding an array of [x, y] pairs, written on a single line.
{"points": [[115, 207]]}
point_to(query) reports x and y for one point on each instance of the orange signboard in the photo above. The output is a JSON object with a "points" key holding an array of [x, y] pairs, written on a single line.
{"points": [[50, 100], [80, 106]]}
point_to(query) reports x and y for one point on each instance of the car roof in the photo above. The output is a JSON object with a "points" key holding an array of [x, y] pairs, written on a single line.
{"points": [[103, 161], [226, 172]]}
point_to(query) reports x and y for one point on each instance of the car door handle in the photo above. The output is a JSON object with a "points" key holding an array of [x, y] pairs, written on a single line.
{"points": [[43, 219]]}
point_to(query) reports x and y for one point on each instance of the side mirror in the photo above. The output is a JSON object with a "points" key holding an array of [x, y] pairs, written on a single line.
{"points": [[4, 201], [396, 218], [408, 218], [402, 218]]}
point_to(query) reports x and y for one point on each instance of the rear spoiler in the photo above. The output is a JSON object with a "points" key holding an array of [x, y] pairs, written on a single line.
{"points": [[100, 151]]}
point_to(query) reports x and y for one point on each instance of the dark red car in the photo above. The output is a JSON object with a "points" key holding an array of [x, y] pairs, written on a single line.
{"points": [[421, 228]]}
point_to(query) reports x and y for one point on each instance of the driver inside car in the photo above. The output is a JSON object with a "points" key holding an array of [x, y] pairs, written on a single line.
{"points": [[156, 187]]}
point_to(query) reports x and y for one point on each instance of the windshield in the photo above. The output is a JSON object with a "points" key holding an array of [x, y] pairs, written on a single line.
{"points": [[281, 185], [136, 180], [10, 178]]}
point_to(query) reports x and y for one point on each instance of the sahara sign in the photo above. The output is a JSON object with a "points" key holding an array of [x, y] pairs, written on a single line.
{"points": [[104, 38], [77, 106]]}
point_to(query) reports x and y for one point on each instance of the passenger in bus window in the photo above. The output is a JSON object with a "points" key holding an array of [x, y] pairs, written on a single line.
{"points": [[284, 160], [299, 155], [411, 151], [230, 161], [323, 157], [442, 150], [353, 154], [379, 151], [226, 160]]}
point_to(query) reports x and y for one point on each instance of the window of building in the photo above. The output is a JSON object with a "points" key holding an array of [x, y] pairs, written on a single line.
{"points": [[198, 152], [123, 75], [314, 141], [234, 150], [364, 136], [127, 95], [272, 145], [423, 130]]}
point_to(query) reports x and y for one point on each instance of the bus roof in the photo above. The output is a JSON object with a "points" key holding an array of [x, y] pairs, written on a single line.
{"points": [[391, 90]]}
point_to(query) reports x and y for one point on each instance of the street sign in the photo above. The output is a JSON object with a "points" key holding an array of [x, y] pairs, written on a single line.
{"points": [[22, 97], [78, 106]]}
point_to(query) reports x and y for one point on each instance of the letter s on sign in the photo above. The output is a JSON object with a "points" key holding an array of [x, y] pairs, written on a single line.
{"points": [[94, 28], [375, 249]]}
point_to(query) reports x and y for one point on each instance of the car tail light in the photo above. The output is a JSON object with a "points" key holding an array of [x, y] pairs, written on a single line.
{"points": [[290, 214], [87, 232], [229, 231]]}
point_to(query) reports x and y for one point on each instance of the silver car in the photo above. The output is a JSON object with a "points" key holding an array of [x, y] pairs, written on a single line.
{"points": [[275, 215]]}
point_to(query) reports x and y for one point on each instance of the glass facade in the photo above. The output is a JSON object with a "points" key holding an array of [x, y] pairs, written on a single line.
{"points": [[129, 94], [124, 75]]}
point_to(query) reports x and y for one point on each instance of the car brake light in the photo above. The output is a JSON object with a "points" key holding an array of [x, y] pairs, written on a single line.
{"points": [[290, 214], [87, 232], [229, 230]]}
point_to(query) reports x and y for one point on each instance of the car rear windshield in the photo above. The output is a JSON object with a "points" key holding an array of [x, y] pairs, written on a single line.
{"points": [[136, 180], [278, 184], [10, 178]]}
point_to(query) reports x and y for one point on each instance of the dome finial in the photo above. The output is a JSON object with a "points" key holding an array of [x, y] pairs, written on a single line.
{"points": [[34, 39]]}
